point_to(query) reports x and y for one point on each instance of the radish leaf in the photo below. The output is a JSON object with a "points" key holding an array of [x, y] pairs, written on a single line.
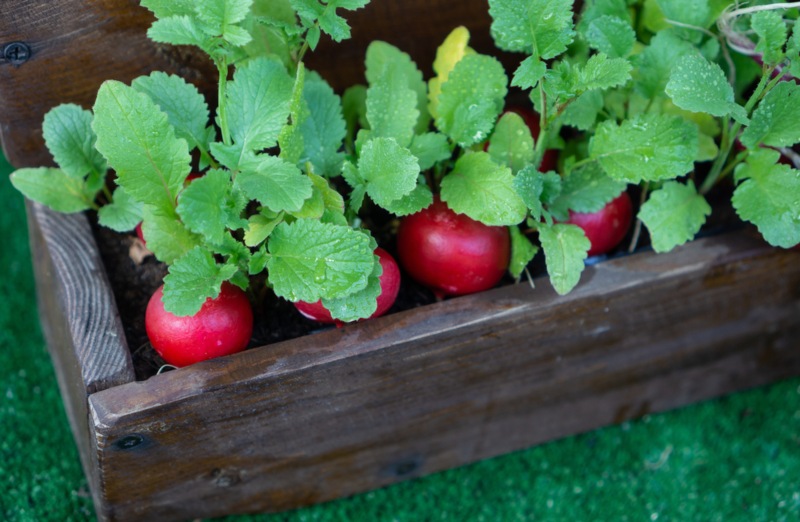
{"points": [[674, 214]]}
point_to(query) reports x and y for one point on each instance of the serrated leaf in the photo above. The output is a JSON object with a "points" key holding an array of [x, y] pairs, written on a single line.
{"points": [[698, 85], [511, 143], [53, 188], [674, 214], [192, 279], [165, 8], [656, 62], [448, 54], [123, 214], [274, 182], [332, 199], [587, 189], [185, 107], [582, 113], [471, 100], [611, 35], [140, 145], [383, 58], [290, 139], [542, 28], [645, 148], [601, 72], [430, 148], [776, 120], [361, 304], [392, 107], [311, 260], [178, 30], [329, 21], [222, 13], [695, 13], [419, 198], [167, 237], [529, 185], [772, 33], [522, 252], [258, 104], [324, 129], [793, 52], [388, 170], [260, 226], [483, 190], [68, 134], [594, 9], [565, 247], [354, 108], [206, 206], [529, 73], [769, 197]]}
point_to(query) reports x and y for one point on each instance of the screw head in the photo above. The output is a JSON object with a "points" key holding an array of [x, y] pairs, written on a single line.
{"points": [[129, 441], [16, 53]]}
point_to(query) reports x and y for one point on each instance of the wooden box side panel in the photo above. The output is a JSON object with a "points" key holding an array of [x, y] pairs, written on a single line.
{"points": [[433, 388], [75, 46]]}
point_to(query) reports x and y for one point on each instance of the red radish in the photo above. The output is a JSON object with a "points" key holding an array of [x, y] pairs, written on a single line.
{"points": [[606, 227], [390, 286], [222, 326], [451, 253]]}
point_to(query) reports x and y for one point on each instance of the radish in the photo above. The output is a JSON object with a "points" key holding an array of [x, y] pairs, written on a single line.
{"points": [[605, 228], [222, 326], [390, 286], [451, 253]]}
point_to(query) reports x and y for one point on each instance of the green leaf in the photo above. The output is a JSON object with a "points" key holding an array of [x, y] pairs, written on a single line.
{"points": [[419, 198], [611, 35], [179, 30], [140, 145], [53, 188], [522, 252], [167, 237], [645, 148], [324, 129], [483, 190], [330, 22], [69, 137], [392, 107], [274, 182], [529, 73], [656, 62], [776, 120], [207, 207], [388, 170], [587, 189], [260, 226], [183, 104], [689, 12], [311, 260], [290, 139], [674, 214], [471, 99], [222, 13], [582, 113], [258, 104], [511, 143], [430, 148], [542, 28], [123, 214], [361, 304], [565, 247], [793, 52], [769, 197], [698, 85], [165, 8], [354, 107], [772, 33], [382, 59], [529, 184], [601, 72], [192, 279]]}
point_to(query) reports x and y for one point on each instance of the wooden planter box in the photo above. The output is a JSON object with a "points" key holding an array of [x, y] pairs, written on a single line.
{"points": [[373, 403]]}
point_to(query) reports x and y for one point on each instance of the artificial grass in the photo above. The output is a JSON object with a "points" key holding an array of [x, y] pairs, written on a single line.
{"points": [[732, 459]]}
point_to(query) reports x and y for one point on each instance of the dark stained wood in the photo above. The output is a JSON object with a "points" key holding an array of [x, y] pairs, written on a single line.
{"points": [[413, 393], [76, 45]]}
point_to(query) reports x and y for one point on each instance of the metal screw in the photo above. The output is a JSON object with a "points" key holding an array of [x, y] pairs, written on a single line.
{"points": [[129, 441], [16, 53]]}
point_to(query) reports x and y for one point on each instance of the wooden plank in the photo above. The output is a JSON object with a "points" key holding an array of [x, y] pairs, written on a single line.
{"points": [[413, 393], [75, 45]]}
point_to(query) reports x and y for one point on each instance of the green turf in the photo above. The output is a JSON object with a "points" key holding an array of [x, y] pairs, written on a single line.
{"points": [[733, 459]]}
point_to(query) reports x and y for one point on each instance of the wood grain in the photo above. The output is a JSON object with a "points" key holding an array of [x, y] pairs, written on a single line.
{"points": [[406, 395]]}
